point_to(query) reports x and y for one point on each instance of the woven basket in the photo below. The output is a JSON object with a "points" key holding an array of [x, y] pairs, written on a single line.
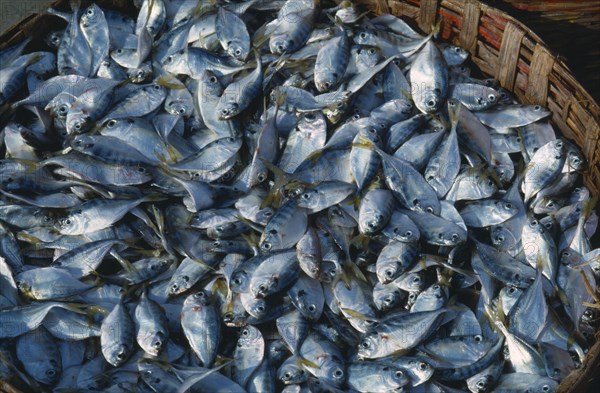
{"points": [[509, 51], [501, 47]]}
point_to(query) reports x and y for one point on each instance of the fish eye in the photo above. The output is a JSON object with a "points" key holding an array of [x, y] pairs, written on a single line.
{"points": [[422, 366], [260, 308], [509, 205], [267, 246], [238, 52], [268, 214], [90, 12], [121, 355], [511, 290], [327, 85], [399, 374], [457, 49], [77, 126], [338, 373], [429, 209], [311, 307], [305, 196], [68, 221], [141, 169], [537, 108], [478, 338], [430, 103], [492, 97], [119, 51], [389, 273], [363, 35], [157, 87], [111, 123], [371, 51], [51, 373], [545, 388], [199, 294], [63, 109], [245, 332], [365, 344]]}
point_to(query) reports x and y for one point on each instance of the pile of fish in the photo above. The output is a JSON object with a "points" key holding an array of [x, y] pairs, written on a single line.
{"points": [[281, 196]]}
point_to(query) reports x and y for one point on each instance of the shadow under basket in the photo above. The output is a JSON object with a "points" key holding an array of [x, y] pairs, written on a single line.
{"points": [[502, 47]]}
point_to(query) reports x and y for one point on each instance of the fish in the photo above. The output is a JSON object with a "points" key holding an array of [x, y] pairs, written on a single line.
{"points": [[289, 195]]}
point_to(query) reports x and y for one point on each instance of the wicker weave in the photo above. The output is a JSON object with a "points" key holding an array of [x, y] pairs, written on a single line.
{"points": [[501, 47]]}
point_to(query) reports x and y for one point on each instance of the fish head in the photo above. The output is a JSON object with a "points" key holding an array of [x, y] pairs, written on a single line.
{"points": [[455, 54], [575, 160], [54, 38], [258, 308], [72, 224], [387, 272], [365, 37], [367, 55], [91, 17], [481, 384], [116, 353], [508, 207], [199, 298], [262, 286], [269, 241], [431, 101], [156, 92], [176, 63], [281, 43], [238, 50], [534, 225], [369, 346], [178, 107], [46, 371], [78, 121], [291, 373], [335, 374], [371, 224], [558, 148], [502, 238], [209, 86], [386, 300], [178, 284], [451, 236], [423, 370], [326, 80], [227, 109], [153, 344]]}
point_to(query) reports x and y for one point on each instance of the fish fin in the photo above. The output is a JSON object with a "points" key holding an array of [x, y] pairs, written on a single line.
{"points": [[127, 266], [355, 270], [165, 81], [454, 109], [437, 27], [356, 315], [307, 363], [360, 241]]}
